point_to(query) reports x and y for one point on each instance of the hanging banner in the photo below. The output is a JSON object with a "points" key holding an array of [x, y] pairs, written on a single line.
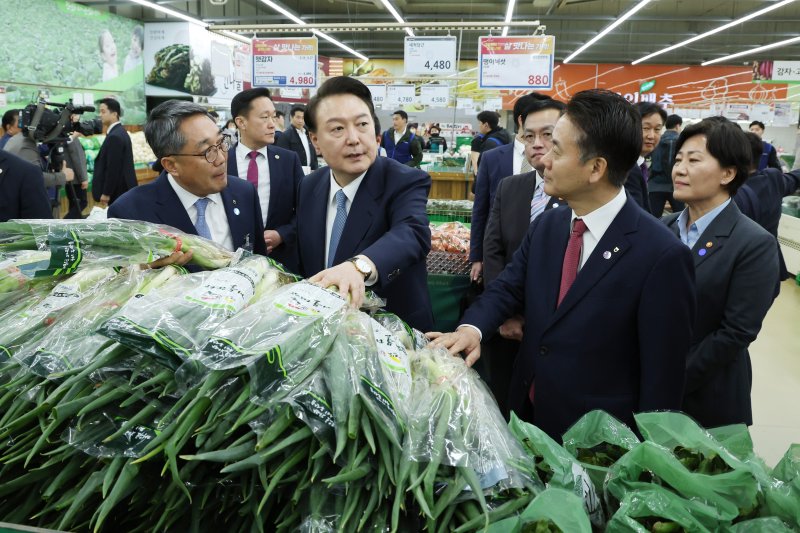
{"points": [[378, 94], [432, 56], [777, 71], [435, 95], [399, 95], [285, 62], [516, 62]]}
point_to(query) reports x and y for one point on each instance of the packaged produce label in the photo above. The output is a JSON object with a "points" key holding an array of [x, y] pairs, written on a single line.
{"points": [[229, 289], [63, 295], [392, 354], [66, 252], [590, 499], [307, 300]]}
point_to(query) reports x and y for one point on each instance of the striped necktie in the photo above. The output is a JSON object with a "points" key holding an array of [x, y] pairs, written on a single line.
{"points": [[201, 225], [338, 225], [526, 167], [539, 201]]}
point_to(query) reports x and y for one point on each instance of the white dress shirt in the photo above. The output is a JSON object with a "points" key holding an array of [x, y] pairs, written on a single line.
{"points": [[519, 155], [597, 223], [304, 140], [242, 164], [216, 218], [398, 136]]}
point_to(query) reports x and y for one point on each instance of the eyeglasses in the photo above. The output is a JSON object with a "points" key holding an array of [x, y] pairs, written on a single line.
{"points": [[212, 152], [530, 138]]}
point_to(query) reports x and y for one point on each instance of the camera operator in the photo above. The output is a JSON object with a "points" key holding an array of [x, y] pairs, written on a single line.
{"points": [[75, 156]]}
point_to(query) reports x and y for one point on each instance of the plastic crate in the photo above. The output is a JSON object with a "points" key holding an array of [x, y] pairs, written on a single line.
{"points": [[446, 292]]}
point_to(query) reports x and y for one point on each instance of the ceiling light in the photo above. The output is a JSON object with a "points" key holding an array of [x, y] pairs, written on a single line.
{"points": [[297, 20], [608, 29], [753, 51], [509, 14], [389, 7], [171, 12], [715, 30], [235, 36]]}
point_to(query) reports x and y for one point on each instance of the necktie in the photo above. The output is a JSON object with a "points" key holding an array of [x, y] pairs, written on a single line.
{"points": [[252, 169], [539, 201], [645, 171], [338, 225], [572, 258], [526, 167], [201, 225]]}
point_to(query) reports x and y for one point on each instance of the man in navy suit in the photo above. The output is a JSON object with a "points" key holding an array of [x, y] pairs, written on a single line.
{"points": [[194, 192], [114, 173], [275, 172], [361, 221], [22, 192], [607, 294], [296, 139]]}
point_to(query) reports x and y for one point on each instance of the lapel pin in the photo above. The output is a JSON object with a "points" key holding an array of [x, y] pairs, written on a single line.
{"points": [[701, 252], [606, 255], [616, 249], [555, 205], [709, 244], [234, 202], [277, 156], [235, 210]]}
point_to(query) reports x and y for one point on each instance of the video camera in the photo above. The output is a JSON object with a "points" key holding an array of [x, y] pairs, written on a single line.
{"points": [[43, 125]]}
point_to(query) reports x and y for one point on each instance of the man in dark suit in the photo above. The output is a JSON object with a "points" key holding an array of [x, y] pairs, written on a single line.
{"points": [[361, 220], [607, 294], [194, 192], [653, 119], [22, 192], [297, 140], [768, 158], [114, 173], [519, 200], [760, 197], [275, 172]]}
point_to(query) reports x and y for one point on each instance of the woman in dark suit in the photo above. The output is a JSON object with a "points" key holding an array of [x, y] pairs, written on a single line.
{"points": [[735, 263]]}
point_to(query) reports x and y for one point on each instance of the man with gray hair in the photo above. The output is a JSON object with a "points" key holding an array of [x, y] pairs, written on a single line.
{"points": [[193, 193]]}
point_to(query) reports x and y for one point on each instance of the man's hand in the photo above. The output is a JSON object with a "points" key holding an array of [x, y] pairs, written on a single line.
{"points": [[104, 199], [68, 172], [84, 185], [177, 258], [273, 239], [512, 328], [463, 339], [476, 271], [347, 278]]}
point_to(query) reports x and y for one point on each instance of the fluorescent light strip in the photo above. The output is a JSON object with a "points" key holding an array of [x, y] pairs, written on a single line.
{"points": [[235, 36], [608, 29], [715, 30], [389, 7], [297, 20], [509, 14], [753, 51], [170, 12]]}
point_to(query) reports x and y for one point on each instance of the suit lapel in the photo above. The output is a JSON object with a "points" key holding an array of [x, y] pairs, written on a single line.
{"points": [[170, 210], [233, 168], [240, 235], [276, 182], [317, 213], [715, 235], [362, 212]]}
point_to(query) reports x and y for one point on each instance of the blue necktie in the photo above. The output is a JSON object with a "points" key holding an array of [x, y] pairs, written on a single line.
{"points": [[338, 225], [201, 225]]}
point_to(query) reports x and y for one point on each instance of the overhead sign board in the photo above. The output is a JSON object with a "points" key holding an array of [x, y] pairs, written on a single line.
{"points": [[285, 62], [432, 56], [435, 95], [516, 62]]}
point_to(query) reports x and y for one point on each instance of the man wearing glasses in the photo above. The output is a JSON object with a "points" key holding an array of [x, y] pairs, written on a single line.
{"points": [[275, 172], [194, 192]]}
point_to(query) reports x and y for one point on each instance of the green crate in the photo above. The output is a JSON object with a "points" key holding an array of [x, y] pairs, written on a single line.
{"points": [[446, 292]]}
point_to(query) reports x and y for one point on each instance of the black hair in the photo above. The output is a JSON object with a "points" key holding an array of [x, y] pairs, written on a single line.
{"points": [[672, 121], [112, 104], [727, 143], [280, 114], [242, 102], [335, 86], [757, 123], [9, 117], [402, 114], [377, 125], [296, 108], [229, 122], [540, 105], [214, 114], [489, 117], [436, 127], [609, 128], [646, 109], [756, 148], [522, 104]]}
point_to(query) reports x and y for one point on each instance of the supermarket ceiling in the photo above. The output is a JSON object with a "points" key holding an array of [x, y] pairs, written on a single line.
{"points": [[657, 25]]}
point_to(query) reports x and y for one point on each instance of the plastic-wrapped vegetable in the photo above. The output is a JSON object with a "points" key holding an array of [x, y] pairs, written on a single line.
{"points": [[657, 510], [552, 511]]}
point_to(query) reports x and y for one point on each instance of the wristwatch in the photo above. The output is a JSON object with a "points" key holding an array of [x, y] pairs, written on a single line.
{"points": [[362, 266]]}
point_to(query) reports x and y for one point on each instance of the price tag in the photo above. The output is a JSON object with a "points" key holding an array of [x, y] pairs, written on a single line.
{"points": [[378, 94], [516, 62], [400, 95], [493, 104], [431, 56], [285, 62], [435, 95], [465, 103]]}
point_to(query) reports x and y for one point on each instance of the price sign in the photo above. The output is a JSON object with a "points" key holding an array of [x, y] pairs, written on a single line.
{"points": [[378, 94], [465, 103], [516, 62], [786, 71], [285, 62], [430, 55], [493, 104], [435, 95], [400, 95]]}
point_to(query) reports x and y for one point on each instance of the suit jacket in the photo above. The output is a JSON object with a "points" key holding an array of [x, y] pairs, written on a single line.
{"points": [[736, 275], [636, 186], [387, 223], [508, 222], [157, 202], [619, 339], [760, 198], [22, 192], [285, 174], [290, 140], [493, 166], [114, 173]]}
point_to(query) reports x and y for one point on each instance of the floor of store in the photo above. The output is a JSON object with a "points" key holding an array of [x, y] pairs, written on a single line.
{"points": [[776, 377]]}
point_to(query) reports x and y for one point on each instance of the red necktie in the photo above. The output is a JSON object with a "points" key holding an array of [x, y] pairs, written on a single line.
{"points": [[252, 169], [572, 258]]}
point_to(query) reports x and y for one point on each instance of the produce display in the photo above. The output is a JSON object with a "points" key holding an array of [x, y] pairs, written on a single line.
{"points": [[449, 210], [243, 399], [449, 249], [177, 69], [142, 153]]}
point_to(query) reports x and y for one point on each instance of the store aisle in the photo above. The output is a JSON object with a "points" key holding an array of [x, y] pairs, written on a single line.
{"points": [[776, 377]]}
